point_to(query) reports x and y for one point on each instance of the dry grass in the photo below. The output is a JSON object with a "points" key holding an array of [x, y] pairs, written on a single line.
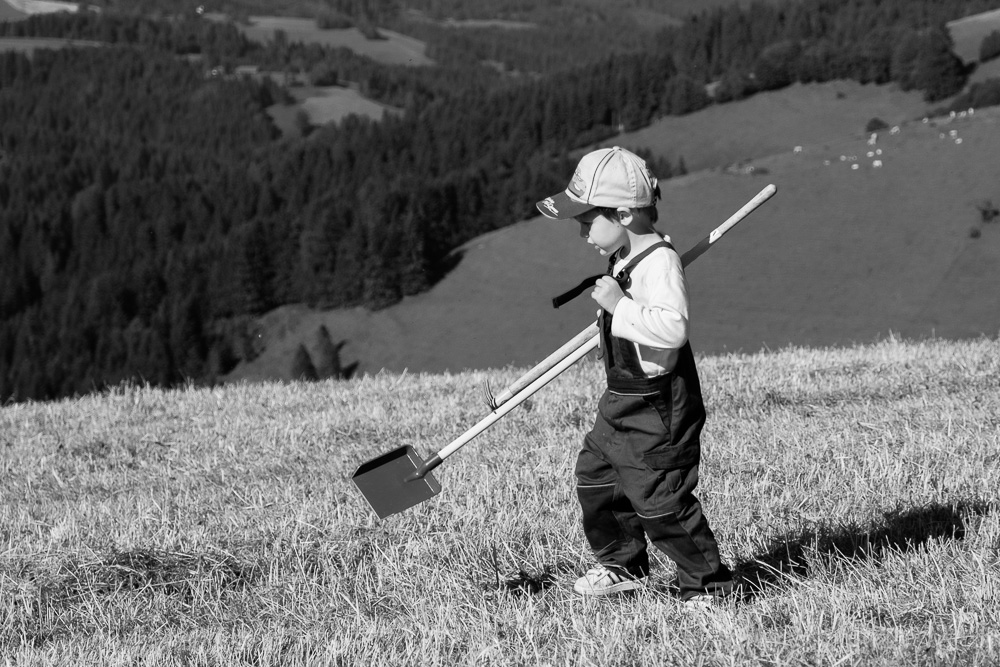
{"points": [[854, 491]]}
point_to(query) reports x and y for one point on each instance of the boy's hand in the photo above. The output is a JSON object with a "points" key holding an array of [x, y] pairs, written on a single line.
{"points": [[607, 293]]}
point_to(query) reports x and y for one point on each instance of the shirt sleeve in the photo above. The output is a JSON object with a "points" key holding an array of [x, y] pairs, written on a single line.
{"points": [[656, 313]]}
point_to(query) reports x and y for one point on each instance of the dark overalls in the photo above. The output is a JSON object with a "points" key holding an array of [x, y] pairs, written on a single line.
{"points": [[638, 467]]}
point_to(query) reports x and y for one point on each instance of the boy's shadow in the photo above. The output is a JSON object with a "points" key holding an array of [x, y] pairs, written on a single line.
{"points": [[790, 554], [899, 532]]}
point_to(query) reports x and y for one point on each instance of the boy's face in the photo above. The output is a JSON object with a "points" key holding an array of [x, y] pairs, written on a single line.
{"points": [[602, 229]]}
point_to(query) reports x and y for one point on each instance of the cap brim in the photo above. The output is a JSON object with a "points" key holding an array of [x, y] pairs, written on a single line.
{"points": [[562, 207]]}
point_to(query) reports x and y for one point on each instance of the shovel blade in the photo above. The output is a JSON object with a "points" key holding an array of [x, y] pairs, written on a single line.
{"points": [[383, 482]]}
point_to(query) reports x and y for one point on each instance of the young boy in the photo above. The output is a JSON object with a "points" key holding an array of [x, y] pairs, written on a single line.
{"points": [[639, 463]]}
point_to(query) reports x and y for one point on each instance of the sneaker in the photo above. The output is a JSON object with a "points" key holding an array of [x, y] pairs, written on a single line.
{"points": [[602, 581], [702, 601], [708, 602]]}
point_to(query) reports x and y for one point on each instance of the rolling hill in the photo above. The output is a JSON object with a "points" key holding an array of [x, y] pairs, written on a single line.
{"points": [[969, 32], [849, 250], [9, 12], [846, 252]]}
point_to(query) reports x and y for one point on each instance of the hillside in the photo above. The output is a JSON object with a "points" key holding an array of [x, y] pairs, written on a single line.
{"points": [[969, 32], [151, 216], [16, 9], [10, 13], [854, 492], [393, 49], [838, 256]]}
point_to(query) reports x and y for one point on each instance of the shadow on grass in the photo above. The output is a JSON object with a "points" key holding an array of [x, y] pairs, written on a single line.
{"points": [[900, 531], [526, 583], [160, 587]]}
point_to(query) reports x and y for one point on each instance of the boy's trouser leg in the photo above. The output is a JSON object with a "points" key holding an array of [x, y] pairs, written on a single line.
{"points": [[610, 523], [684, 535], [635, 481]]}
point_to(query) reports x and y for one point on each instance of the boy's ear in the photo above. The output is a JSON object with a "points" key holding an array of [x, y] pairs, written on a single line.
{"points": [[624, 215]]}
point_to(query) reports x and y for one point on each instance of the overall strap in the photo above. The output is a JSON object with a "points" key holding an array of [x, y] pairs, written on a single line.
{"points": [[623, 277], [620, 358]]}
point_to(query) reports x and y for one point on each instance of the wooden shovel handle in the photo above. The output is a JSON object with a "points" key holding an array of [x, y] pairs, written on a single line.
{"points": [[545, 364], [543, 379]]}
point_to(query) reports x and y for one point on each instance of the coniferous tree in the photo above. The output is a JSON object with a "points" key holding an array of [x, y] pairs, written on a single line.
{"points": [[327, 355], [937, 70], [904, 58], [255, 270], [302, 366], [776, 66]]}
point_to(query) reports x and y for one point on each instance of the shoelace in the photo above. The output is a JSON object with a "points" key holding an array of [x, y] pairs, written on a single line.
{"points": [[604, 573]]}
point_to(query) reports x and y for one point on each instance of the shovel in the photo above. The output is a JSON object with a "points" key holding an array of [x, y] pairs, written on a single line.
{"points": [[401, 478]]}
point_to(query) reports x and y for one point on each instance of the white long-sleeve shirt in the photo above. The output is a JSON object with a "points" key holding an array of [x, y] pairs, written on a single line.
{"points": [[655, 315]]}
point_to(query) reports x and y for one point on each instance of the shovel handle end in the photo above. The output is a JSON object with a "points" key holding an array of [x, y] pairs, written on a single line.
{"points": [[425, 467]]}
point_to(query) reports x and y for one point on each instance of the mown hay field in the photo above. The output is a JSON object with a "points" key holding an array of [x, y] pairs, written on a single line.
{"points": [[854, 491], [31, 44], [394, 49], [324, 104]]}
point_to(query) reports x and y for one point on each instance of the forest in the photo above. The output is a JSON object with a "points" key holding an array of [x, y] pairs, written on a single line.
{"points": [[149, 210]]}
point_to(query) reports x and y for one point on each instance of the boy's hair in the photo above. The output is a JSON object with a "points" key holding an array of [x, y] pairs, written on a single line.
{"points": [[651, 212]]}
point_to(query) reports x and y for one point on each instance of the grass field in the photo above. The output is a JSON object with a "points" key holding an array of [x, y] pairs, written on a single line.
{"points": [[854, 491], [324, 104], [775, 122], [968, 33], [395, 49], [30, 44], [8, 12], [18, 9]]}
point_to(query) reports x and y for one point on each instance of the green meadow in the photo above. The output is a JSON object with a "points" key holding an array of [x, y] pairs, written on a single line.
{"points": [[853, 490]]}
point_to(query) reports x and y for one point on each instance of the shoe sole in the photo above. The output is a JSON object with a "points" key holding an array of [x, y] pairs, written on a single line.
{"points": [[613, 589], [699, 606]]}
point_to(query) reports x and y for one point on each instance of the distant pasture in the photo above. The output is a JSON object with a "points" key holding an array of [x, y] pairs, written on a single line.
{"points": [[10, 13], [25, 7], [324, 104], [333, 103], [774, 123], [988, 70], [487, 23], [968, 33], [30, 44], [395, 49]]}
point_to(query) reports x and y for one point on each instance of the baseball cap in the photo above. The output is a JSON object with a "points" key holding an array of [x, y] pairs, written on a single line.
{"points": [[607, 177]]}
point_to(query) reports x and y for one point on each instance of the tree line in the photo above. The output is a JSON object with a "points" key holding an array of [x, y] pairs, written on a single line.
{"points": [[149, 212]]}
